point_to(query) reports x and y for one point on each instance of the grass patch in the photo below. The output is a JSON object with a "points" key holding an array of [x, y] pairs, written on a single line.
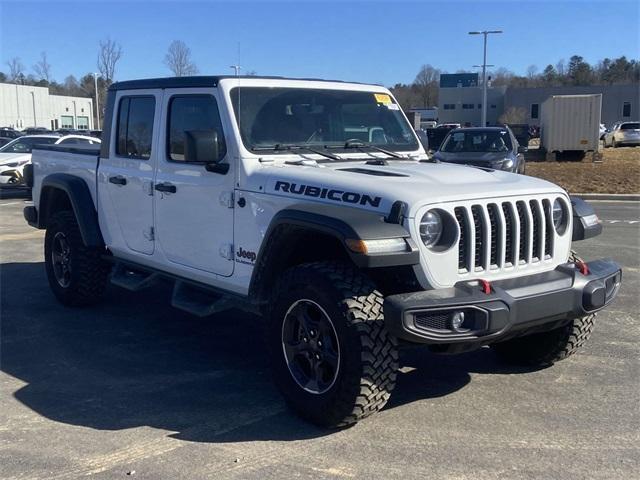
{"points": [[619, 172]]}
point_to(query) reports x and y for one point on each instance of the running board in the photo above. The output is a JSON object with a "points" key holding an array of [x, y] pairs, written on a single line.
{"points": [[199, 301], [134, 280]]}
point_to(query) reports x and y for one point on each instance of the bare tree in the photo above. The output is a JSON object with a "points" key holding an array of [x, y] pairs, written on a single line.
{"points": [[16, 70], [43, 68], [426, 85], [513, 116], [178, 59], [108, 56]]}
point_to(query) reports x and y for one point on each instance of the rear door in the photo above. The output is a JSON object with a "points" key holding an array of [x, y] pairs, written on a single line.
{"points": [[193, 211], [125, 177]]}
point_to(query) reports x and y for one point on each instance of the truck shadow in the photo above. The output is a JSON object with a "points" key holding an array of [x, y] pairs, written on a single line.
{"points": [[134, 361]]}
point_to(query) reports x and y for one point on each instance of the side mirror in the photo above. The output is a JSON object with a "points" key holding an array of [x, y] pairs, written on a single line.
{"points": [[522, 149], [201, 146]]}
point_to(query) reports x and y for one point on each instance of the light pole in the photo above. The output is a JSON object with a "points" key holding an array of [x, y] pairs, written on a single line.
{"points": [[484, 73], [236, 68], [95, 82]]}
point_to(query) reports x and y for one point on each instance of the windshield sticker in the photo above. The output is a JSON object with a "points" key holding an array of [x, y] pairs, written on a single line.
{"points": [[382, 98], [393, 106]]}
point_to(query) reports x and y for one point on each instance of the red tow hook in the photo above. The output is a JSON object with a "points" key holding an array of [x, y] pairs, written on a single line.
{"points": [[582, 267], [485, 286]]}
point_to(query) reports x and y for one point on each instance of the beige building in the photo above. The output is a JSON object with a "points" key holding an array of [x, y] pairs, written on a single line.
{"points": [[23, 106]]}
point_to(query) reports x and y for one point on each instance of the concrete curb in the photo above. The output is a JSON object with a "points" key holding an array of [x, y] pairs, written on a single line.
{"points": [[621, 197]]}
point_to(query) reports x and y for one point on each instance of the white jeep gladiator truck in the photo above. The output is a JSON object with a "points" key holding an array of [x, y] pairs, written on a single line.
{"points": [[313, 204]]}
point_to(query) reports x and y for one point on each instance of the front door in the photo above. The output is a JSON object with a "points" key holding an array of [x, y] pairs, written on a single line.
{"points": [[194, 222], [126, 175]]}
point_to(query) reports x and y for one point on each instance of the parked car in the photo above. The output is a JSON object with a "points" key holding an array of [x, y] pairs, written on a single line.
{"points": [[603, 131], [16, 154], [9, 133], [489, 147], [522, 132], [96, 133], [36, 131], [4, 141], [345, 239], [448, 125], [623, 134]]}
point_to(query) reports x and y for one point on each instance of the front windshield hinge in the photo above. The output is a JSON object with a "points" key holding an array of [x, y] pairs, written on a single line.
{"points": [[226, 199]]}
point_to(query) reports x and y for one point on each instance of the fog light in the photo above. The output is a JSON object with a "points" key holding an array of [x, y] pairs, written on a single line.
{"points": [[457, 319]]}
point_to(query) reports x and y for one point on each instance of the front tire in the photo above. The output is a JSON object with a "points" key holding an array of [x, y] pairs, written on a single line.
{"points": [[77, 274], [332, 357], [547, 348]]}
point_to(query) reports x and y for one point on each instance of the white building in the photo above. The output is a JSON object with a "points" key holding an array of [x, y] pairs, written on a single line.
{"points": [[22, 106]]}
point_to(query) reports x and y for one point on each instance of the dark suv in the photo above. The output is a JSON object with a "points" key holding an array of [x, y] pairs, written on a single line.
{"points": [[489, 147]]}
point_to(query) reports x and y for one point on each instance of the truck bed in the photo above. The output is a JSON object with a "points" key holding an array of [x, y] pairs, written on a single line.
{"points": [[78, 160]]}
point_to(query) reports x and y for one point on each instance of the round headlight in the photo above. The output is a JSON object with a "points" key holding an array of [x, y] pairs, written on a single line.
{"points": [[430, 228], [559, 215]]}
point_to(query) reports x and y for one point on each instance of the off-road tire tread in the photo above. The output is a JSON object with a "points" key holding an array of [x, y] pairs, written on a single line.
{"points": [[549, 347], [362, 306], [90, 270]]}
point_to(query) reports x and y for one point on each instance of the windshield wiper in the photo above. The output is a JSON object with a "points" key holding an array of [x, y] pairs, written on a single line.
{"points": [[290, 147], [359, 145]]}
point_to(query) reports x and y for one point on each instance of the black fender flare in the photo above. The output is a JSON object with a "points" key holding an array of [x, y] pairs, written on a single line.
{"points": [[79, 196], [339, 222]]}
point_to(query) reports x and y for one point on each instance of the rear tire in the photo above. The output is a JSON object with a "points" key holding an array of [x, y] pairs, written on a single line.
{"points": [[77, 274], [347, 309], [546, 348]]}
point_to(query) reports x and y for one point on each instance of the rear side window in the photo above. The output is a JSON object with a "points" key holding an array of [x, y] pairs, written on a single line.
{"points": [[192, 112], [135, 127]]}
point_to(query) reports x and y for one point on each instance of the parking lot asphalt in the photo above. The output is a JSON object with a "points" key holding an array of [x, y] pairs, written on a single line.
{"points": [[136, 389]]}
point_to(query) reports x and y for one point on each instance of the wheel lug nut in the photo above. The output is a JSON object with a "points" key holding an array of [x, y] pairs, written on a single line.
{"points": [[317, 357], [319, 343], [312, 333], [305, 339]]}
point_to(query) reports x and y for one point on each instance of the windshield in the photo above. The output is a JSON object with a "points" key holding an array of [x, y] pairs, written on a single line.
{"points": [[315, 117], [630, 126], [25, 144], [477, 141]]}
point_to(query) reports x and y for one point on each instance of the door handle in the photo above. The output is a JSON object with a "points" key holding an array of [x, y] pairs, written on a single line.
{"points": [[118, 180], [165, 187]]}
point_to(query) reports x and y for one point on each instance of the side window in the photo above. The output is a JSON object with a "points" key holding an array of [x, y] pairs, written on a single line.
{"points": [[135, 127], [192, 112], [69, 141], [534, 110]]}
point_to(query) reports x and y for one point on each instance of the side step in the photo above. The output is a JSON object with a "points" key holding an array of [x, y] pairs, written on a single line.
{"points": [[198, 301], [134, 280]]}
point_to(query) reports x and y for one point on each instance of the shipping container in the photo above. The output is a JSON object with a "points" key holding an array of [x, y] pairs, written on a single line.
{"points": [[571, 123]]}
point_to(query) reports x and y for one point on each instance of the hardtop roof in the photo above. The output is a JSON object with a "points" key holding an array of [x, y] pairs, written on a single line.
{"points": [[201, 81]]}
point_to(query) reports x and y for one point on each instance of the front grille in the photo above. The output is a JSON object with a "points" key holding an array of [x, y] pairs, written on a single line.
{"points": [[499, 235]]}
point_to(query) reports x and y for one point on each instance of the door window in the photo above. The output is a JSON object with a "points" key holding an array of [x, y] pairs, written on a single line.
{"points": [[135, 127], [192, 113]]}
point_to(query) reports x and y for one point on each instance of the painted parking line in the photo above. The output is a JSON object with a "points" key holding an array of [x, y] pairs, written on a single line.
{"points": [[628, 222]]}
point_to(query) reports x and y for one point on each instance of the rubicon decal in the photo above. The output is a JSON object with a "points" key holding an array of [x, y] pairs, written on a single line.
{"points": [[245, 256], [329, 193]]}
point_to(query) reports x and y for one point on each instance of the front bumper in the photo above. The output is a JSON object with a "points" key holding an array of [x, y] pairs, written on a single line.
{"points": [[513, 307]]}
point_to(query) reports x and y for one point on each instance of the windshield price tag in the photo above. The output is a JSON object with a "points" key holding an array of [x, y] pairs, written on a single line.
{"points": [[393, 106], [383, 98]]}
